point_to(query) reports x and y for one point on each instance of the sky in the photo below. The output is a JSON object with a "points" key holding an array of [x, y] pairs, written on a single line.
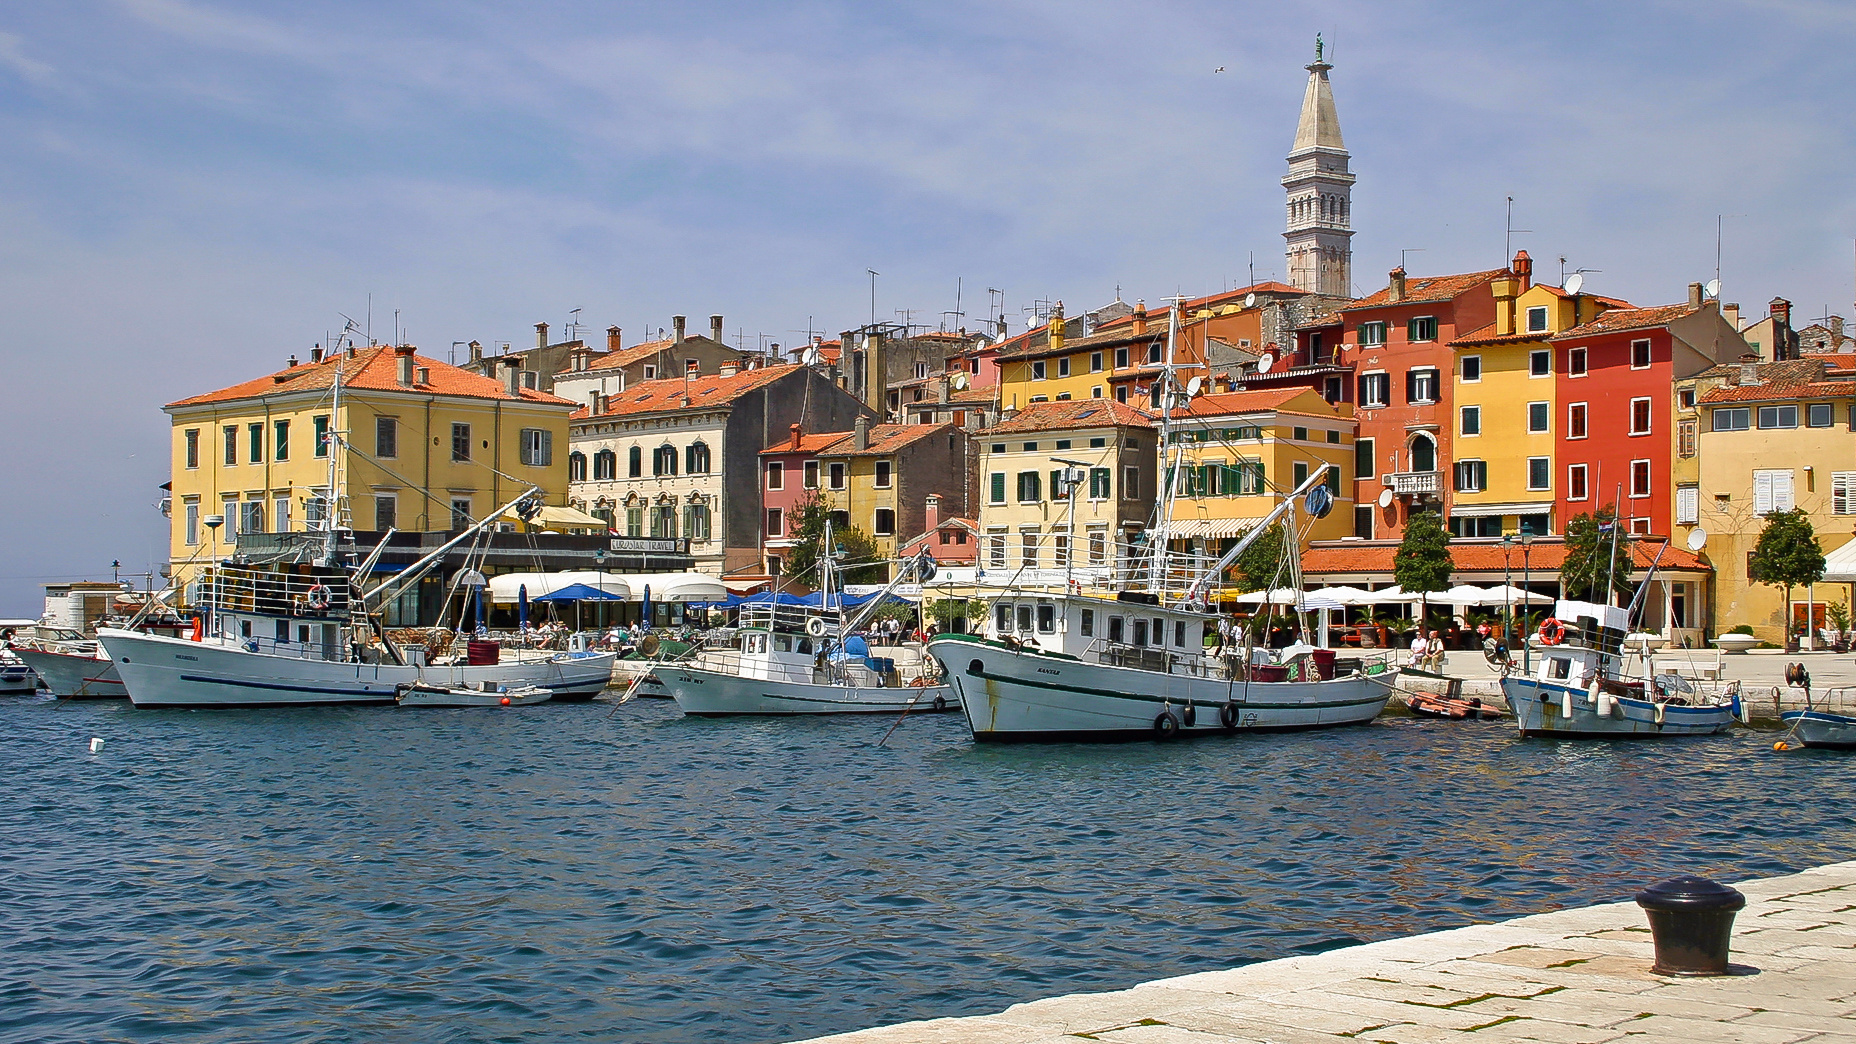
{"points": [[193, 190]]}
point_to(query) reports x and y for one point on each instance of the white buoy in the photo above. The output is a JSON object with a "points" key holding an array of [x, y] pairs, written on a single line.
{"points": [[96, 744]]}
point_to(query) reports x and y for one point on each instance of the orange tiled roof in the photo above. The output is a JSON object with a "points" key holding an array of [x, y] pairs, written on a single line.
{"points": [[626, 356], [1427, 289], [1543, 556], [1225, 403], [1810, 378], [887, 438], [1075, 413], [373, 368], [1488, 336], [1619, 320], [808, 443], [675, 393]]}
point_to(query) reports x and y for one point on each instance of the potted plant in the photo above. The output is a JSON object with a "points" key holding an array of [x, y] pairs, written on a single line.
{"points": [[1838, 614], [1369, 632], [1737, 641], [1383, 631]]}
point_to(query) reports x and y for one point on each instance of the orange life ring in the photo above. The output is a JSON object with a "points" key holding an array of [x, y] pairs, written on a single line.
{"points": [[318, 598], [1552, 632]]}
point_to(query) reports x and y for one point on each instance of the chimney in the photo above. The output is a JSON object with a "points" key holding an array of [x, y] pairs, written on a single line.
{"points": [[875, 381], [1836, 331], [423, 375], [676, 326], [291, 362], [315, 354], [946, 381], [797, 431], [1523, 268], [715, 328], [1056, 327], [1695, 295], [512, 376], [476, 352], [1732, 314], [1003, 329], [933, 520], [541, 335], [612, 338], [1749, 370], [1780, 310], [729, 368], [860, 434], [1395, 290], [403, 355], [1140, 318], [1505, 288], [353, 349], [592, 403]]}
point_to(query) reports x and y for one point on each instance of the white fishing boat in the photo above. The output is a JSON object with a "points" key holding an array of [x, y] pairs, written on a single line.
{"points": [[71, 666], [16, 676], [1580, 688], [1827, 721], [420, 694]]}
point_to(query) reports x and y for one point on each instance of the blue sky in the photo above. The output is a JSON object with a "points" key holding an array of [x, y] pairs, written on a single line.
{"points": [[191, 190]]}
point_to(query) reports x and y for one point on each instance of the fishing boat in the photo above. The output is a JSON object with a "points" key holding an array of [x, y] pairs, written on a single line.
{"points": [[789, 660], [16, 676], [1430, 695], [1828, 722], [71, 666], [421, 694]]}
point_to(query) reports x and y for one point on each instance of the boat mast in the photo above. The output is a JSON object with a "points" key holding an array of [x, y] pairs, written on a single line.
{"points": [[330, 542], [1157, 538]]}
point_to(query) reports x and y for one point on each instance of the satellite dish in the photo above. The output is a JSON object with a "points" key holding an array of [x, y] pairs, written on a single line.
{"points": [[1574, 282], [811, 357], [959, 383], [1193, 386], [1698, 539], [1385, 498], [1713, 288], [1250, 300], [1265, 362]]}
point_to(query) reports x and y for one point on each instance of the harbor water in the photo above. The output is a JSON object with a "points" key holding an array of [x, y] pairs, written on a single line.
{"points": [[599, 873]]}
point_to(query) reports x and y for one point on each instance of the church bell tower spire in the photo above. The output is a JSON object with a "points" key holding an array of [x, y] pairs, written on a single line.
{"points": [[1319, 186]]}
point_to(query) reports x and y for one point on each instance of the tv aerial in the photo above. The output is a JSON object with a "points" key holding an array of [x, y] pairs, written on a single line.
{"points": [[1574, 282]]}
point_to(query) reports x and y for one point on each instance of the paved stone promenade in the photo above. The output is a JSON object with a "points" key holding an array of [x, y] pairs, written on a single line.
{"points": [[1572, 977]]}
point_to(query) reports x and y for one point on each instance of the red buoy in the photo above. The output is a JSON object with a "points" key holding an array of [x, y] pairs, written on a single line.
{"points": [[505, 701]]}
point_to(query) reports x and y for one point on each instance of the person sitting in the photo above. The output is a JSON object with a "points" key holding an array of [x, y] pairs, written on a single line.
{"points": [[1434, 653], [1420, 650]]}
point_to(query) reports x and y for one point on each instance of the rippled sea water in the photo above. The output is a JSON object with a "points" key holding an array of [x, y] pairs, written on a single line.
{"points": [[559, 873]]}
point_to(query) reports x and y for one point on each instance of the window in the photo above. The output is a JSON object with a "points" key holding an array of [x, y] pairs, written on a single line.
{"points": [[996, 488], [282, 441], [280, 514], [883, 474], [386, 437], [1130, 483], [315, 509], [1537, 417], [256, 441], [1028, 548], [1086, 624], [1472, 420], [1685, 439], [1375, 389], [321, 423], [1300, 434], [995, 549], [192, 438], [1575, 362], [231, 439], [537, 447], [191, 531], [1153, 352], [1778, 416], [650, 371], [696, 522], [1575, 420], [1063, 366], [1099, 479], [836, 472], [634, 462], [1818, 415], [1098, 545], [386, 511], [1640, 355], [1121, 358], [1095, 364], [1843, 492], [664, 520], [1772, 491], [1472, 476], [1372, 334], [1538, 474], [1575, 482], [605, 465], [808, 474], [460, 442], [229, 512], [1688, 505], [1540, 362], [1334, 438], [1639, 478], [1121, 393], [1732, 419], [664, 460], [1299, 473], [1536, 318], [1472, 369], [1030, 487], [1475, 526], [1002, 616], [1640, 416], [1095, 392], [885, 522], [1421, 328], [776, 475], [696, 458], [1037, 370], [1363, 521], [1063, 444], [1421, 385], [1060, 547], [634, 521], [460, 513], [251, 516]]}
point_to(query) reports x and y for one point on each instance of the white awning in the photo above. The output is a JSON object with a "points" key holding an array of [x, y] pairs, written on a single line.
{"points": [[1535, 507], [1209, 528], [676, 587], [1840, 565], [567, 518], [508, 587]]}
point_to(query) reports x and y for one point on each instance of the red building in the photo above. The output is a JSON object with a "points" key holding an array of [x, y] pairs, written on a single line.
{"points": [[1613, 381], [789, 473]]}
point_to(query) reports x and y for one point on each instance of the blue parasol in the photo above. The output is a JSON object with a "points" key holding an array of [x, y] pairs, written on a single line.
{"points": [[647, 605], [522, 607]]}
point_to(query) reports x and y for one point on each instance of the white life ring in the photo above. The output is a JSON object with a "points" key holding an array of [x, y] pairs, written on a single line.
{"points": [[816, 627], [317, 598]]}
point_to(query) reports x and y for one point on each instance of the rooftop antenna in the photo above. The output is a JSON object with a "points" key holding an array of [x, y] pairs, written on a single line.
{"points": [[452, 356], [573, 324], [1253, 268], [370, 317], [873, 274], [1409, 250], [1508, 243], [990, 314], [397, 339]]}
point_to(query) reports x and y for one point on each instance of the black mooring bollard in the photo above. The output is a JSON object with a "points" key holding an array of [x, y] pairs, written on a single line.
{"points": [[1691, 920]]}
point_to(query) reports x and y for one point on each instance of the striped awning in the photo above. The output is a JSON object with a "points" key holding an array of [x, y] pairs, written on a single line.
{"points": [[1211, 528]]}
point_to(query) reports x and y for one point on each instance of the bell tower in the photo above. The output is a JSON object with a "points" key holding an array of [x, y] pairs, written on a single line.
{"points": [[1319, 233]]}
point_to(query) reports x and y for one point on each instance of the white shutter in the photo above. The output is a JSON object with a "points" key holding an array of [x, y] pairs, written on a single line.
{"points": [[1688, 505], [1782, 491], [1843, 493], [1762, 492]]}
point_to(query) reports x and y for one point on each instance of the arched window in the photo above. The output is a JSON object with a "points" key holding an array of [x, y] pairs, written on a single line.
{"points": [[696, 459], [635, 462], [664, 460], [1423, 453], [576, 466], [696, 521], [605, 464]]}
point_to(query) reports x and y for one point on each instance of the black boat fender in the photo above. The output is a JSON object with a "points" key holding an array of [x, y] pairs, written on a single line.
{"points": [[1227, 714], [1166, 726]]}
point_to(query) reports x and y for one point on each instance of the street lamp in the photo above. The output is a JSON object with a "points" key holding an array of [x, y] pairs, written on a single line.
{"points": [[1527, 595], [1508, 586]]}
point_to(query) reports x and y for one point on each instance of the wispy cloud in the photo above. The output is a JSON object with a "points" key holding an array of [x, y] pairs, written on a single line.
{"points": [[13, 57]]}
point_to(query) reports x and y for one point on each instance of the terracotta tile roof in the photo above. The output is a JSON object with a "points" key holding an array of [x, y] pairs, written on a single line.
{"points": [[1810, 378], [1226, 403], [1075, 413], [373, 368], [886, 439], [1544, 556], [1427, 289], [1487, 335], [964, 397], [669, 393], [626, 356], [1608, 302], [807, 443], [1619, 320]]}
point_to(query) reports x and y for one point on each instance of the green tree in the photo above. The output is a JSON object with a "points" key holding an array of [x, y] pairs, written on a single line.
{"points": [[806, 523], [1787, 555], [946, 610], [1422, 563], [1595, 550], [1259, 568]]}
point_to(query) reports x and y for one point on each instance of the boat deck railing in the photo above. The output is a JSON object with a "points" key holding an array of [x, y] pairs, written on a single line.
{"points": [[1225, 662], [237, 589]]}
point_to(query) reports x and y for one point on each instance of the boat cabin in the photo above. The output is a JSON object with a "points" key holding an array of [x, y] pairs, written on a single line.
{"points": [[1582, 643], [1132, 629], [301, 612]]}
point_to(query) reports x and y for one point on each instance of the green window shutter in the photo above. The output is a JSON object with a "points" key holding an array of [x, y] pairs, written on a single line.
{"points": [[998, 487]]}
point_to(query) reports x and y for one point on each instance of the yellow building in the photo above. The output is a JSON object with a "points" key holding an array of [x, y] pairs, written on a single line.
{"points": [[434, 447], [1773, 436], [1237, 452], [879, 478], [1507, 416]]}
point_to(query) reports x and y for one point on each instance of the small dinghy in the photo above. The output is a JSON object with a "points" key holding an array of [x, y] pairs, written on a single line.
{"points": [[419, 694], [1442, 697]]}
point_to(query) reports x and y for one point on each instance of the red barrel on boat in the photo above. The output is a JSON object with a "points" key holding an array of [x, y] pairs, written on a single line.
{"points": [[482, 654], [1324, 663]]}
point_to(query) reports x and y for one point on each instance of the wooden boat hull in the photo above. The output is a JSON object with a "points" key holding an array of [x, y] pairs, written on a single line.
{"points": [[1432, 705], [1539, 710], [1815, 728], [1022, 695]]}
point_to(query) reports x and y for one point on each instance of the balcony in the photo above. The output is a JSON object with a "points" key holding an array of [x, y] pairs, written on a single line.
{"points": [[1416, 483]]}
